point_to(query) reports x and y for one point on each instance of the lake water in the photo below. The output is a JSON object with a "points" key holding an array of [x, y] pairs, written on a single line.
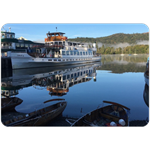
{"points": [[84, 87]]}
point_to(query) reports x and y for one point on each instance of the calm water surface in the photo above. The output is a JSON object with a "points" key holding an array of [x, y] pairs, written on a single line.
{"points": [[84, 87]]}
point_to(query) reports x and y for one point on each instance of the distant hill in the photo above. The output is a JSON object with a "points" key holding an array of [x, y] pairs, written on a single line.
{"points": [[115, 38]]}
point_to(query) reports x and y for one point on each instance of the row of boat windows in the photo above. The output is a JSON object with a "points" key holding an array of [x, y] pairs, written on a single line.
{"points": [[55, 43], [77, 74], [69, 59], [24, 45], [7, 35], [75, 53], [62, 43], [17, 45]]}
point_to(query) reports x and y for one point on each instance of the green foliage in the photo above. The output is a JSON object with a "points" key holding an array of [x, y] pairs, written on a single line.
{"points": [[115, 38], [136, 49]]}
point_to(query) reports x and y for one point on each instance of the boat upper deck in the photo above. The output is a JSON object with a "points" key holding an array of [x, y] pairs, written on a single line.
{"points": [[55, 36]]}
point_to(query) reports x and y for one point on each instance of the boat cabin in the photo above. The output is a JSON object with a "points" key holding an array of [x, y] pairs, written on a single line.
{"points": [[55, 36], [5, 34]]}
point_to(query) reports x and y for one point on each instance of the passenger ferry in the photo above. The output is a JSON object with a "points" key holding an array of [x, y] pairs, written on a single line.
{"points": [[57, 50]]}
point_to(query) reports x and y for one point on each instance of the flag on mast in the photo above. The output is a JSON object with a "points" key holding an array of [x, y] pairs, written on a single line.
{"points": [[56, 29]]}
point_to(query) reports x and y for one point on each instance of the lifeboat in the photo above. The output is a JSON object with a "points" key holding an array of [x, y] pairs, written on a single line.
{"points": [[56, 36]]}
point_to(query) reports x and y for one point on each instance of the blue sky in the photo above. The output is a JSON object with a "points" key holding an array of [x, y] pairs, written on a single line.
{"points": [[37, 32]]}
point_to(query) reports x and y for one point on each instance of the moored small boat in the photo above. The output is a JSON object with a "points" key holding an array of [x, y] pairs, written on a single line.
{"points": [[111, 115], [39, 117], [8, 104]]}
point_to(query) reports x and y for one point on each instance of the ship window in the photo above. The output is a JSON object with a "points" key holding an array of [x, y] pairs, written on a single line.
{"points": [[30, 45], [64, 77], [71, 53], [86, 53], [75, 53], [68, 76], [56, 43], [83, 53], [26, 45], [70, 44], [80, 53], [60, 43], [22, 45], [3, 35], [67, 52], [63, 53], [71, 75], [17, 44], [12, 35]]}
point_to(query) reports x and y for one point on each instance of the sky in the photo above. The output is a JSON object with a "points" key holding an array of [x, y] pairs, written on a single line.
{"points": [[37, 32]]}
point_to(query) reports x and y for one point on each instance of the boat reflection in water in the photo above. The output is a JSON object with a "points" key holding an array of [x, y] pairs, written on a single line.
{"points": [[55, 80]]}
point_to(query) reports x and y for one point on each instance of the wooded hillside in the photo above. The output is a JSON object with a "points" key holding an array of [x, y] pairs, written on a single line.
{"points": [[114, 39]]}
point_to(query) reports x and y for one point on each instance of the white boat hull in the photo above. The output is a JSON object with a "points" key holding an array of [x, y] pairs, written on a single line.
{"points": [[23, 60]]}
